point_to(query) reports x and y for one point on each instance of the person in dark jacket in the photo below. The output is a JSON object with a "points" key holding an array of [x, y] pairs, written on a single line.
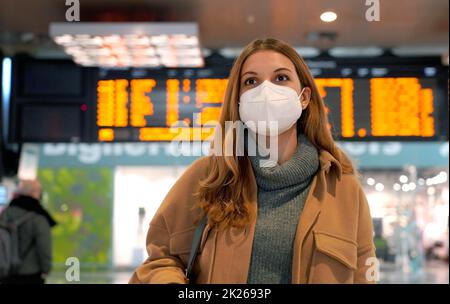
{"points": [[35, 243]]}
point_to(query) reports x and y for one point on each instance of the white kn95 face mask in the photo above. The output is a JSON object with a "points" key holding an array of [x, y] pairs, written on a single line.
{"points": [[268, 103]]}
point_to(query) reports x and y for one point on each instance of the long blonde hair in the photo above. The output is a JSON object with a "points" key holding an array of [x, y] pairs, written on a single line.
{"points": [[224, 194]]}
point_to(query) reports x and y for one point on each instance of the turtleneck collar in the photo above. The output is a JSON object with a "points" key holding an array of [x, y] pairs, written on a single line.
{"points": [[299, 169]]}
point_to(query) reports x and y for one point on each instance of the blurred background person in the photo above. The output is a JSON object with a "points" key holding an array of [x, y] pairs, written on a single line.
{"points": [[34, 243]]}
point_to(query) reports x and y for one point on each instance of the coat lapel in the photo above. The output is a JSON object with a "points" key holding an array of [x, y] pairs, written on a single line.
{"points": [[311, 211], [307, 218]]}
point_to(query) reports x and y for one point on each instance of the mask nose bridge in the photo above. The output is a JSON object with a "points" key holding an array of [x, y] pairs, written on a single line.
{"points": [[265, 85], [269, 84]]}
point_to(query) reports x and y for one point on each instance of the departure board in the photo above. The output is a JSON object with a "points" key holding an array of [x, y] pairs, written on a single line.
{"points": [[358, 108], [387, 98]]}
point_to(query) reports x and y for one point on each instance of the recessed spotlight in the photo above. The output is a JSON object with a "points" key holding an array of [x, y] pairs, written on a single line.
{"points": [[328, 16], [370, 181], [379, 187], [403, 179]]}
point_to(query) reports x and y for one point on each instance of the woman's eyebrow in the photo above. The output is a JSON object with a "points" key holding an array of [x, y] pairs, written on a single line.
{"points": [[249, 72], [281, 69], [277, 70]]}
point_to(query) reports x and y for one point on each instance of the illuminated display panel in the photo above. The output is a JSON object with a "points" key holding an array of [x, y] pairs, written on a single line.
{"points": [[383, 98], [131, 110], [385, 108]]}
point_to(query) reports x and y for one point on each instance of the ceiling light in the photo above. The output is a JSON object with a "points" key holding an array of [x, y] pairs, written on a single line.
{"points": [[130, 44], [370, 181], [379, 187], [355, 51], [307, 52], [403, 179], [328, 16]]}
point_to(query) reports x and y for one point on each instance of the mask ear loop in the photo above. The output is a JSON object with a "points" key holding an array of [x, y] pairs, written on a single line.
{"points": [[300, 95], [301, 92]]}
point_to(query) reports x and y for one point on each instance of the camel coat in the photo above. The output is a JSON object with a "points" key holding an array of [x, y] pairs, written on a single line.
{"points": [[333, 243]]}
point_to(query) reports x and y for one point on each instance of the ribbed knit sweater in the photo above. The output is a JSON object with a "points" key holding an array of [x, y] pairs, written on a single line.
{"points": [[282, 192]]}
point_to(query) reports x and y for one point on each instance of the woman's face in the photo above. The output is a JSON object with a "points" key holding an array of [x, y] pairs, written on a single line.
{"points": [[274, 67]]}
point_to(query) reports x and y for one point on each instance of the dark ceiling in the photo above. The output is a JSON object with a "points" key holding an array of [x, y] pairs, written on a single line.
{"points": [[405, 23]]}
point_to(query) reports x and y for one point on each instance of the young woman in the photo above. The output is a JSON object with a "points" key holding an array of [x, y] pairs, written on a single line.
{"points": [[304, 219]]}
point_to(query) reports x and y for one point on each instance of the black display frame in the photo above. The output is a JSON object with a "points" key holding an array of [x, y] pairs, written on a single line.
{"points": [[85, 97], [217, 66]]}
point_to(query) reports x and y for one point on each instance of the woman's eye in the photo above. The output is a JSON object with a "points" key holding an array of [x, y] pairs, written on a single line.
{"points": [[250, 81], [282, 78]]}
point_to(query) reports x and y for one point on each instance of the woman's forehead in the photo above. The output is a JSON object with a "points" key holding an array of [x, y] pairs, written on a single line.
{"points": [[266, 61]]}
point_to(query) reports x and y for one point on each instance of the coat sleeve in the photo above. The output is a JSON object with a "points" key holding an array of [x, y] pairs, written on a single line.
{"points": [[174, 214], [43, 244], [160, 266], [367, 265]]}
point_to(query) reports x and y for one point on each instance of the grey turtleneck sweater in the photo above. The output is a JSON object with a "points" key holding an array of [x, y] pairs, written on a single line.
{"points": [[282, 191]]}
